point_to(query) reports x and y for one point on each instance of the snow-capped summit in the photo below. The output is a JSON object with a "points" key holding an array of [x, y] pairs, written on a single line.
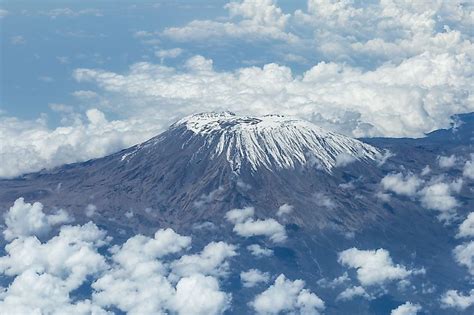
{"points": [[273, 141]]}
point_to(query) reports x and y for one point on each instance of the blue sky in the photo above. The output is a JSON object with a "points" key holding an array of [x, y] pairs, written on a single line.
{"points": [[42, 43], [40, 51], [82, 79]]}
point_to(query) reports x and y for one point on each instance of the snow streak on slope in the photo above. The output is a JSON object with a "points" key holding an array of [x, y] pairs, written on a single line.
{"points": [[273, 141]]}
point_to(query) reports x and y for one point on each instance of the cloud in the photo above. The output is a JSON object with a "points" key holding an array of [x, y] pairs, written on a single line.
{"points": [[344, 159], [144, 275], [419, 73], [438, 196], [253, 277], [352, 292], [28, 146], [67, 12], [3, 13], [255, 19], [205, 200], [379, 102], [324, 200], [44, 274], [200, 295], [90, 210], [464, 255], [18, 40], [384, 30], [455, 299], [259, 251], [211, 261], [246, 226], [284, 209], [406, 309], [402, 185], [468, 170], [426, 170], [287, 296], [447, 161], [25, 219], [240, 215], [374, 267], [466, 229], [168, 53], [367, 35], [85, 94], [139, 283], [75, 254], [268, 227], [33, 292], [325, 283]]}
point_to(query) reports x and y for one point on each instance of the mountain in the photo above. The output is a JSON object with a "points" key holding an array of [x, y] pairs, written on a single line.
{"points": [[322, 187], [282, 159], [271, 141]]}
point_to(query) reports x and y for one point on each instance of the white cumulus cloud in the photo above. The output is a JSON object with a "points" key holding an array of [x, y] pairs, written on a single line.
{"points": [[259, 251], [439, 196], [406, 309], [284, 209], [249, 19], [464, 255], [352, 292], [447, 161], [374, 267], [26, 219], [458, 300], [252, 277], [245, 225], [401, 184], [28, 146], [44, 274], [466, 229], [287, 296], [468, 170]]}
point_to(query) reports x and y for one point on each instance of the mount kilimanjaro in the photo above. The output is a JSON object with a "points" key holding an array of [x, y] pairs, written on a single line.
{"points": [[234, 160], [204, 165]]}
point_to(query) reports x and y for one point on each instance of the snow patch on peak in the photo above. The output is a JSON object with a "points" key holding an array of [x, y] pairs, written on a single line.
{"points": [[273, 141]]}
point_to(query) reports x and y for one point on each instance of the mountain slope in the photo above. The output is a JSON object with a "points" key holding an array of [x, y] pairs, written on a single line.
{"points": [[263, 161], [189, 177], [271, 141]]}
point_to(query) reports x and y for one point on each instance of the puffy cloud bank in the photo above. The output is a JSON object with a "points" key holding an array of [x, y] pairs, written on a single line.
{"points": [[26, 219], [79, 271], [28, 146], [144, 275], [384, 101]]}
